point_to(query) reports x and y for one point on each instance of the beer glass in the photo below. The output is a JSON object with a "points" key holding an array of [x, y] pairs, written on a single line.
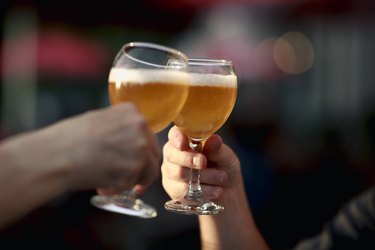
{"points": [[212, 95], [155, 78]]}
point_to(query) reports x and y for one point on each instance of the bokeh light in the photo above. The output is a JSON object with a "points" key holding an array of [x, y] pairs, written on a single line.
{"points": [[293, 53]]}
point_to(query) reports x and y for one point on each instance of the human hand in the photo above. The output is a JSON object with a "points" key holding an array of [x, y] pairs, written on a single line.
{"points": [[111, 148], [220, 167], [121, 151], [221, 180]]}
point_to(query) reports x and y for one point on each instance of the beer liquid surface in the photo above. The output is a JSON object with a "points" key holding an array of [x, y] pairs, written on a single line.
{"points": [[158, 95], [208, 106]]}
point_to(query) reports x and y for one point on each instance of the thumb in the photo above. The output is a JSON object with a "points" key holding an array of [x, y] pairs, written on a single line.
{"points": [[219, 153]]}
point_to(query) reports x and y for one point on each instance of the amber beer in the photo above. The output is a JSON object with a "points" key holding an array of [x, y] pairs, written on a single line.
{"points": [[159, 94], [210, 101]]}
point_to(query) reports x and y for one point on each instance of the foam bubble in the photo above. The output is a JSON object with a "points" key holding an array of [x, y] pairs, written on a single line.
{"points": [[147, 75], [212, 80]]}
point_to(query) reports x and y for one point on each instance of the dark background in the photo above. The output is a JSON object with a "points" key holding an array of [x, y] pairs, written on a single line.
{"points": [[303, 125]]}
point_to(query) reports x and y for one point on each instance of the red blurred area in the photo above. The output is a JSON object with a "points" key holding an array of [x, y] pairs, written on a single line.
{"points": [[58, 53], [307, 6], [209, 3]]}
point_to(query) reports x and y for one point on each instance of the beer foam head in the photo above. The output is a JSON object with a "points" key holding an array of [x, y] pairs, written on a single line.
{"points": [[142, 76], [212, 80]]}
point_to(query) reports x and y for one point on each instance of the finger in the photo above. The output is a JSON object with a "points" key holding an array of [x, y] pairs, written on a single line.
{"points": [[212, 145], [178, 139], [139, 189], [213, 176], [178, 190], [212, 192], [150, 173], [183, 158], [175, 189], [175, 172], [219, 153], [151, 167], [209, 176], [152, 141]]}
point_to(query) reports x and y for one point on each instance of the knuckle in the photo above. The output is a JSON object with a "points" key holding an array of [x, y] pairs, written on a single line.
{"points": [[166, 154], [170, 133], [189, 159], [166, 150], [164, 170]]}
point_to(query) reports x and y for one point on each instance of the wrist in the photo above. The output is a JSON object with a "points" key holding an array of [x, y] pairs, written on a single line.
{"points": [[234, 228]]}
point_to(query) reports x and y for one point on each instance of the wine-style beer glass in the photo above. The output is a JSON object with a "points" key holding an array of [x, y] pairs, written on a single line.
{"points": [[155, 79], [212, 95]]}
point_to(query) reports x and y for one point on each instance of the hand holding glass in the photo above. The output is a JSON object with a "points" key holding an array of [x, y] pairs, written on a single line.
{"points": [[154, 78], [212, 95]]}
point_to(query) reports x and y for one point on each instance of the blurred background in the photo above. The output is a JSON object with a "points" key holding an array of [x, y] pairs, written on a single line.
{"points": [[303, 125]]}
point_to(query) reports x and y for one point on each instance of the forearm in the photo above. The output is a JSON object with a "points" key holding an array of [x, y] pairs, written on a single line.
{"points": [[232, 229], [29, 176]]}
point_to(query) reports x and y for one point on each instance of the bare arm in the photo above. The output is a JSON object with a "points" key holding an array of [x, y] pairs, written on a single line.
{"points": [[26, 183], [110, 148], [221, 180]]}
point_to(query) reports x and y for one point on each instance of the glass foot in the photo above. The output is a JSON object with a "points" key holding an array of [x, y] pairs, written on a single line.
{"points": [[193, 206], [124, 203]]}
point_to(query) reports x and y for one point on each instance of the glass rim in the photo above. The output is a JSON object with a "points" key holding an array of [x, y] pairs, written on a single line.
{"points": [[208, 61], [125, 48]]}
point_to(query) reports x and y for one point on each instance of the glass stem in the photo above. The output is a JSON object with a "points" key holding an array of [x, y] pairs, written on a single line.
{"points": [[194, 189]]}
